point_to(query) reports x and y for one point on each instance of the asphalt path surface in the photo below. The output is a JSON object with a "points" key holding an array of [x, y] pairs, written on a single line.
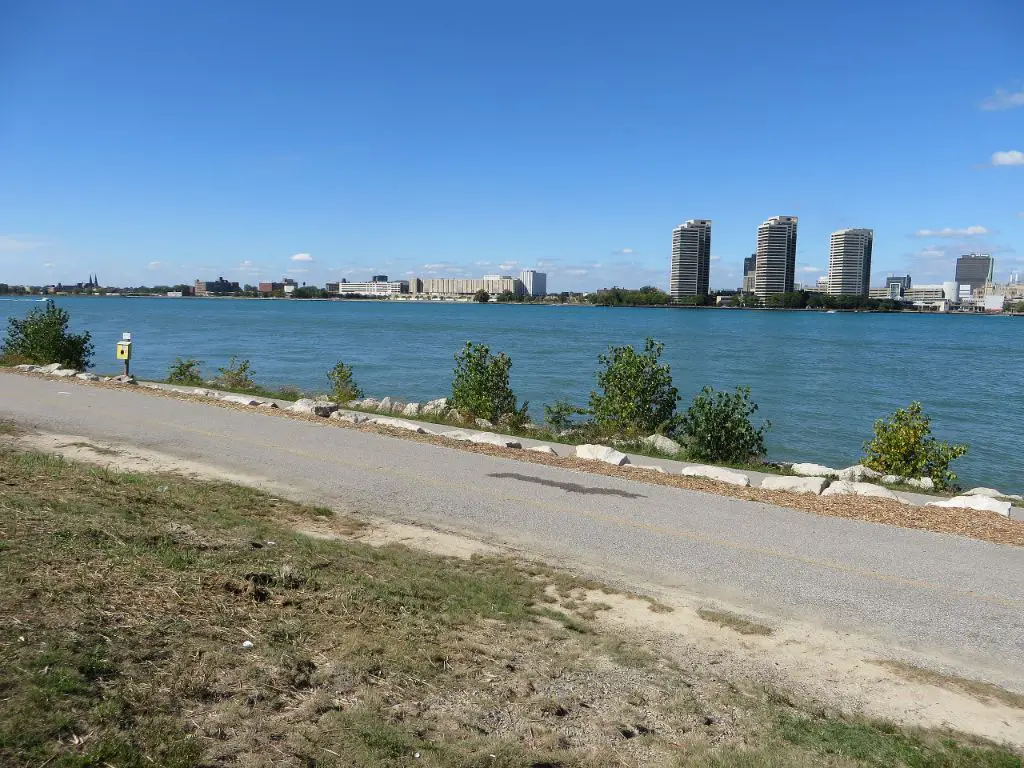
{"points": [[955, 598]]}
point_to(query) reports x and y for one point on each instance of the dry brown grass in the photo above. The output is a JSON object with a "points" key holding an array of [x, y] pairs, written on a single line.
{"points": [[734, 621], [128, 598], [986, 526]]}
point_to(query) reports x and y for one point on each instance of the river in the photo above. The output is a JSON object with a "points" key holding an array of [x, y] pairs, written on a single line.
{"points": [[821, 379]]}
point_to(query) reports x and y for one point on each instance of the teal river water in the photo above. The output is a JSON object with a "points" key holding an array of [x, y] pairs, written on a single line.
{"points": [[822, 379]]}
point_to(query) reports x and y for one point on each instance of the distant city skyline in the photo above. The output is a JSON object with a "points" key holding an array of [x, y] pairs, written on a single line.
{"points": [[159, 143]]}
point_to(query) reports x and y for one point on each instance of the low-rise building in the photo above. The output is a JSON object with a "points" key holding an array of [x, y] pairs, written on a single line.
{"points": [[372, 288], [454, 287], [217, 287]]}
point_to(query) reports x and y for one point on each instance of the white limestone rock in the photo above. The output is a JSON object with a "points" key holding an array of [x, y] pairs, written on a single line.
{"points": [[351, 418], [543, 449], [992, 493], [813, 485], [717, 473], [458, 434], [369, 404], [850, 488], [858, 473], [435, 407], [267, 404], [601, 453], [483, 424], [399, 424], [662, 444], [924, 483], [48, 369], [813, 470], [64, 373], [205, 393], [87, 377], [893, 479], [313, 407], [489, 438], [412, 409], [27, 368], [122, 379], [385, 405], [979, 503]]}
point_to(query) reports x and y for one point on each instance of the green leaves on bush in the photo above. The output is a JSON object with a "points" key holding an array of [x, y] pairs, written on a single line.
{"points": [[186, 372], [343, 384], [559, 415], [636, 395], [903, 446], [237, 374], [42, 337], [717, 427], [480, 386]]}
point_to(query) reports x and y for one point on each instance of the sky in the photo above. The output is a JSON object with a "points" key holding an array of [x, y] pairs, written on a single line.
{"points": [[157, 143]]}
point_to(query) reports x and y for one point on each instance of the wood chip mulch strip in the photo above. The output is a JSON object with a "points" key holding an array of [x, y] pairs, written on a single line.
{"points": [[986, 526]]}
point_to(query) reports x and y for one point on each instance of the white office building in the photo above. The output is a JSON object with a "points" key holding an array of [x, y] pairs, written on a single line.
{"points": [[849, 262], [691, 259], [776, 256], [535, 283], [373, 288]]}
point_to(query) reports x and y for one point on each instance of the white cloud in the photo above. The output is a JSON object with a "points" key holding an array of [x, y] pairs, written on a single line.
{"points": [[434, 267], [19, 243], [482, 263], [952, 232], [576, 271], [1003, 99], [302, 257], [624, 252], [1020, 215], [248, 266], [298, 271], [1009, 157], [809, 269], [48, 265], [716, 258], [508, 265], [154, 265]]}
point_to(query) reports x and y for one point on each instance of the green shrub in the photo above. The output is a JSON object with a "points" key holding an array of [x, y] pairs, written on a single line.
{"points": [[185, 372], [637, 396], [559, 415], [42, 337], [343, 385], [237, 374], [481, 296], [480, 386], [717, 427], [903, 446]]}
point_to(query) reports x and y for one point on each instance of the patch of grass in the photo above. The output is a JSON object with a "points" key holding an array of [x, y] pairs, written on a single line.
{"points": [[873, 743], [978, 689], [734, 622]]}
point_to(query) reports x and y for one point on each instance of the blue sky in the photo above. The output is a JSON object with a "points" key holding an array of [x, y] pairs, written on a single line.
{"points": [[161, 142]]}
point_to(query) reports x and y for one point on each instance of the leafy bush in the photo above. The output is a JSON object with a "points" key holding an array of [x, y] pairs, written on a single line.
{"points": [[903, 446], [481, 296], [42, 337], [343, 385], [717, 427], [480, 386], [237, 374], [186, 372], [559, 415], [637, 396]]}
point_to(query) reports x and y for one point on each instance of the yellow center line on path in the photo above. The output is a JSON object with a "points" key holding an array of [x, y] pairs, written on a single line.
{"points": [[604, 518]]}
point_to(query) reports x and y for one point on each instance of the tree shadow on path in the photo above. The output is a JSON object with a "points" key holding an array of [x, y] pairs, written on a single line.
{"points": [[568, 487]]}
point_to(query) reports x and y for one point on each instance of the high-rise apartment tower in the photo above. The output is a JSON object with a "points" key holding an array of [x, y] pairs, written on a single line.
{"points": [[776, 256], [849, 262], [691, 259]]}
